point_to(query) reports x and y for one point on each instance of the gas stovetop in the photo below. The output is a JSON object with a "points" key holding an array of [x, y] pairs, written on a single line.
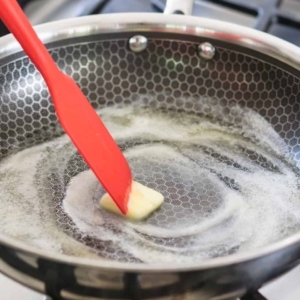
{"points": [[277, 17], [280, 18], [286, 287]]}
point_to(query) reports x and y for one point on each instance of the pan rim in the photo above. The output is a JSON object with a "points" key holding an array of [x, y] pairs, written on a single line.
{"points": [[151, 22], [238, 35]]}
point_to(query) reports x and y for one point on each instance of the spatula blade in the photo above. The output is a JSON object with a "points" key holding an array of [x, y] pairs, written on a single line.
{"points": [[86, 130]]}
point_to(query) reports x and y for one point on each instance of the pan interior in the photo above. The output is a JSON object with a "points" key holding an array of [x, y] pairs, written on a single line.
{"points": [[228, 173]]}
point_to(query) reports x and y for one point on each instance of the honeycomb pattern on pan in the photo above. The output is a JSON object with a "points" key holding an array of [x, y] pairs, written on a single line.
{"points": [[168, 75], [187, 198], [109, 74], [181, 192]]}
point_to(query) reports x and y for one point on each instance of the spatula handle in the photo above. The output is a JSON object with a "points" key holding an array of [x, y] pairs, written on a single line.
{"points": [[17, 23]]}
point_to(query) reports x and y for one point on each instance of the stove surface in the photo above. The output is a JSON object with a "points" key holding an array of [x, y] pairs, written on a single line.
{"points": [[277, 17], [286, 287]]}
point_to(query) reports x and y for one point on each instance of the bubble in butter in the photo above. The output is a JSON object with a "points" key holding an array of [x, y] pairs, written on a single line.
{"points": [[142, 202]]}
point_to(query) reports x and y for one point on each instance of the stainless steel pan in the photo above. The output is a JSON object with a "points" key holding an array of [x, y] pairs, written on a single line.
{"points": [[174, 63]]}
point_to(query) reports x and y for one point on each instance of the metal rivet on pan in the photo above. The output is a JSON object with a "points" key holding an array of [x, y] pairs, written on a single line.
{"points": [[206, 50], [138, 43]]}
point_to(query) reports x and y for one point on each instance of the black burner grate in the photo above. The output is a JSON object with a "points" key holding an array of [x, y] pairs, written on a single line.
{"points": [[280, 18], [253, 296], [277, 17]]}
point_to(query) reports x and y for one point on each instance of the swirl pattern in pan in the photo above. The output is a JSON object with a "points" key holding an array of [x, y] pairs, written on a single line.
{"points": [[228, 187]]}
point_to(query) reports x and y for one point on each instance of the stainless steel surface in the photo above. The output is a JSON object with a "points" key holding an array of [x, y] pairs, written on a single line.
{"points": [[138, 43], [43, 11], [222, 276], [213, 10], [290, 7], [173, 6], [206, 28], [206, 50]]}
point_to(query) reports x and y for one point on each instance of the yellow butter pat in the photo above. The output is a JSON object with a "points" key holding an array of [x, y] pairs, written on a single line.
{"points": [[142, 202]]}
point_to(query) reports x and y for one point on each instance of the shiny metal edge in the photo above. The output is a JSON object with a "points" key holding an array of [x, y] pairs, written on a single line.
{"points": [[152, 22], [145, 22]]}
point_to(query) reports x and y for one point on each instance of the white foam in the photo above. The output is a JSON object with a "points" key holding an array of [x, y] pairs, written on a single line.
{"points": [[265, 208]]}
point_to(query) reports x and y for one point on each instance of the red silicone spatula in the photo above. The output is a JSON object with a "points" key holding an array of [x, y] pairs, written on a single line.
{"points": [[74, 112]]}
